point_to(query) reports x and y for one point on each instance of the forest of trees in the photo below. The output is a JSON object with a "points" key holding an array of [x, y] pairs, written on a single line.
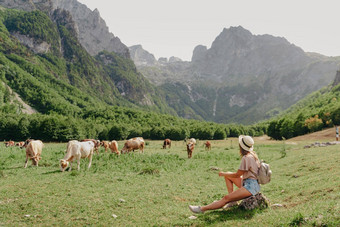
{"points": [[115, 123]]}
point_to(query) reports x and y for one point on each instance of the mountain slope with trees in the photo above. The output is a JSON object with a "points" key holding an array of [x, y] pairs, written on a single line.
{"points": [[317, 111]]}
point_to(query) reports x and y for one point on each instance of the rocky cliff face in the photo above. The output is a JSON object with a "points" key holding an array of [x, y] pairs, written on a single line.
{"points": [[92, 31], [38, 47], [142, 57], [337, 78]]}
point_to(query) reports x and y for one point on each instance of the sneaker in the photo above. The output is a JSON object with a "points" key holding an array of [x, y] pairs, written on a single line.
{"points": [[195, 209]]}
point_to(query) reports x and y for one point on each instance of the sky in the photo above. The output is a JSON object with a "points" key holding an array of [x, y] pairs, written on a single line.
{"points": [[168, 28]]}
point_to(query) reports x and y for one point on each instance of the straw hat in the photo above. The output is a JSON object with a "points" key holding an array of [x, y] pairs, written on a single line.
{"points": [[246, 142]]}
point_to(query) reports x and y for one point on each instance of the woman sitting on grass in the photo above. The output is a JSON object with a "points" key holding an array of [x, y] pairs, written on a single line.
{"points": [[246, 175]]}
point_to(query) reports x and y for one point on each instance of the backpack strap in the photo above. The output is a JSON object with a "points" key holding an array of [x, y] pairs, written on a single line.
{"points": [[253, 172], [259, 166]]}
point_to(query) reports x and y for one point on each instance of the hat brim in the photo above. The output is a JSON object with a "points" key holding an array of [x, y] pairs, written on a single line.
{"points": [[244, 147]]}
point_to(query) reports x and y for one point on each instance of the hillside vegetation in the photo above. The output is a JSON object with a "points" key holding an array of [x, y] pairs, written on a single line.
{"points": [[156, 187], [109, 77], [317, 111]]}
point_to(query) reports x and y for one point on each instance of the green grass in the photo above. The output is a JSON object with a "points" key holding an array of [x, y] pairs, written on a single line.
{"points": [[156, 187]]}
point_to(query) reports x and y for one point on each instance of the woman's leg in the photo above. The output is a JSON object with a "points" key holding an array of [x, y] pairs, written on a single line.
{"points": [[239, 194], [230, 183]]}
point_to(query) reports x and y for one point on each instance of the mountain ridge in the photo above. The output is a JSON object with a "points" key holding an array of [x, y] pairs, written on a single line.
{"points": [[273, 73]]}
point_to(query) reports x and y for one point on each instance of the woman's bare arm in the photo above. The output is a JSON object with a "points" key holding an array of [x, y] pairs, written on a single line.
{"points": [[238, 174]]}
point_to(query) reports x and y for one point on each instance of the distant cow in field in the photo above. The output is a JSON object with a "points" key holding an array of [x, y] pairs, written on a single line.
{"points": [[167, 142], [190, 149], [105, 144], [191, 140], [134, 144], [9, 143], [33, 152], [113, 145], [20, 144], [77, 150], [95, 142], [207, 145]]}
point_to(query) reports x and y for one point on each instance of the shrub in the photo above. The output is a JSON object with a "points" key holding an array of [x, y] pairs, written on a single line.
{"points": [[314, 123], [220, 134]]}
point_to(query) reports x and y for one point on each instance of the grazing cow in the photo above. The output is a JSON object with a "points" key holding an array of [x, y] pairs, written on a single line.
{"points": [[190, 149], [192, 140], [207, 145], [77, 150], [167, 142], [134, 144], [105, 144], [113, 145], [9, 143], [69, 144], [27, 142], [33, 152], [20, 144], [95, 142]]}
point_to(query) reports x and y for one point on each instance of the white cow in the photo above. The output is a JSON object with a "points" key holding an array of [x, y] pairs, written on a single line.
{"points": [[33, 152], [77, 150]]}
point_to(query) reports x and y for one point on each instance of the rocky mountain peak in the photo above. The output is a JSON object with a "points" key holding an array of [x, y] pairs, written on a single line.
{"points": [[93, 34], [238, 31], [141, 57], [236, 51], [174, 59], [198, 53]]}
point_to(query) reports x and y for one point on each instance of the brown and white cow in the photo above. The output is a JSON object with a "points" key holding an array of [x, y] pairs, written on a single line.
{"points": [[20, 144], [105, 144], [33, 151], [167, 142], [190, 149], [113, 145], [95, 142], [77, 150], [134, 144], [9, 143], [207, 145], [191, 140]]}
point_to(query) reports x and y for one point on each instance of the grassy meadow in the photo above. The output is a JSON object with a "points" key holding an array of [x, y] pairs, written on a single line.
{"points": [[156, 187]]}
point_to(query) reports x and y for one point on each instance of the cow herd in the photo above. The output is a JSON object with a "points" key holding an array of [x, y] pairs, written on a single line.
{"points": [[77, 150]]}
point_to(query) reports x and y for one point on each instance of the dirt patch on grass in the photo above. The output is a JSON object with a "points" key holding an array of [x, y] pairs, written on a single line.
{"points": [[324, 135], [179, 199]]}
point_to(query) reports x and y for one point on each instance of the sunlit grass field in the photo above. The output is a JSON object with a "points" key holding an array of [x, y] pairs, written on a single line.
{"points": [[154, 188]]}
